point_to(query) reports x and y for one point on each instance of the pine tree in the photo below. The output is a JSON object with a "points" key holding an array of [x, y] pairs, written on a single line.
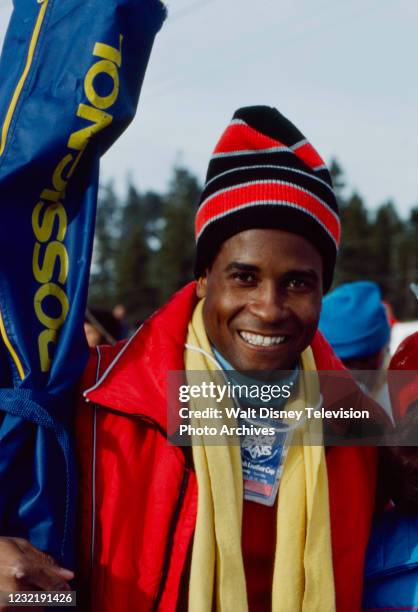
{"points": [[408, 263], [102, 284], [338, 180], [173, 265], [134, 288], [354, 261], [385, 244]]}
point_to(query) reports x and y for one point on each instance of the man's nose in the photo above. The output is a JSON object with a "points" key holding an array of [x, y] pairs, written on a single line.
{"points": [[269, 304]]}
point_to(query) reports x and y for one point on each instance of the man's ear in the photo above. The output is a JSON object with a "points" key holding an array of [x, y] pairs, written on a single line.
{"points": [[202, 285]]}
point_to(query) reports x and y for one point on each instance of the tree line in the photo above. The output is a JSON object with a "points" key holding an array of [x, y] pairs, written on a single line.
{"points": [[144, 245]]}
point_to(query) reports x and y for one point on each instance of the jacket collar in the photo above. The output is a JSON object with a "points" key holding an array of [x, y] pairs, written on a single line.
{"points": [[135, 382]]}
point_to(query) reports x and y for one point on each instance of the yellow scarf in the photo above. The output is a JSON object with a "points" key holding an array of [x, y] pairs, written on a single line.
{"points": [[303, 575]]}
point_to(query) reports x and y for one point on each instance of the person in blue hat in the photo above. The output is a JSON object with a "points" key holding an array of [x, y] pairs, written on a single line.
{"points": [[355, 322], [391, 568]]}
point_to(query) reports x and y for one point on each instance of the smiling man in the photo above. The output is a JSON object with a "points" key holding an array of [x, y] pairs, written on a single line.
{"points": [[261, 311], [170, 529]]}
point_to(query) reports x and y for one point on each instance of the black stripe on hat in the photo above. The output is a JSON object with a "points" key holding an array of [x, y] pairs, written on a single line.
{"points": [[299, 178], [270, 122], [218, 165]]}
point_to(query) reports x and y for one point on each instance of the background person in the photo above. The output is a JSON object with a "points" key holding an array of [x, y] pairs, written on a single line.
{"points": [[392, 559], [354, 320], [119, 313], [100, 327]]}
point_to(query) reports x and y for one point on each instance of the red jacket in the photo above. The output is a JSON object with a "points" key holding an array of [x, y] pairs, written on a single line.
{"points": [[138, 519]]}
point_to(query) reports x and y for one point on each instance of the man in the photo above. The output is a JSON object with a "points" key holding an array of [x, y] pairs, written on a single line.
{"points": [[166, 528]]}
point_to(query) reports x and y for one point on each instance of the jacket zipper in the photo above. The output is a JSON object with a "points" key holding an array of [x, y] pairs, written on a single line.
{"points": [[93, 467], [20, 84], [170, 539]]}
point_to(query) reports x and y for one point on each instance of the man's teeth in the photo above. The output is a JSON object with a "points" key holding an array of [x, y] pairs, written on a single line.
{"points": [[259, 340]]}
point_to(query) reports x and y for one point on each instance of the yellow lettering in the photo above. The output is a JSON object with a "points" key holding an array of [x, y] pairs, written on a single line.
{"points": [[54, 251], [46, 337], [106, 67], [74, 166], [49, 213], [58, 181], [78, 140], [51, 289], [109, 53], [50, 195], [43, 229]]}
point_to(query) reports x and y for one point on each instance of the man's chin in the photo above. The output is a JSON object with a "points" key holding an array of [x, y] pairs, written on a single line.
{"points": [[263, 363]]}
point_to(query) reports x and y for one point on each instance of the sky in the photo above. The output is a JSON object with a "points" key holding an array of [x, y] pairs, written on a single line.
{"points": [[343, 72]]}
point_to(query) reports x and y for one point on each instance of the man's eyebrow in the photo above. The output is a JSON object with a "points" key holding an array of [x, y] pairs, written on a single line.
{"points": [[303, 272], [242, 267]]}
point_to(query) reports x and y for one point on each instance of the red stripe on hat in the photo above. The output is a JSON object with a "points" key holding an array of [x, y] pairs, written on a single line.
{"points": [[309, 155], [241, 137], [231, 200]]}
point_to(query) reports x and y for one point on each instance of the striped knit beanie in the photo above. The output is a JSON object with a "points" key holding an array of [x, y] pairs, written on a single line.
{"points": [[264, 174]]}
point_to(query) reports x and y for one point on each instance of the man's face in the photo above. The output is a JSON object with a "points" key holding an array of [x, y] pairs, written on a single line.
{"points": [[263, 299]]}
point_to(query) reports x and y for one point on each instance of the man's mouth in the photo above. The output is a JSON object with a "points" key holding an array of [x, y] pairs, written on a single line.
{"points": [[261, 340]]}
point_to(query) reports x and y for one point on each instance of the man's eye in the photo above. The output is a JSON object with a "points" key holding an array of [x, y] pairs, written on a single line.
{"points": [[298, 283], [244, 277]]}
